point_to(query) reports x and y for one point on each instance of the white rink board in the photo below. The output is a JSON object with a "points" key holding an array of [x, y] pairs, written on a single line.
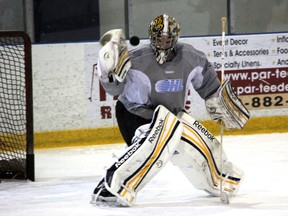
{"points": [[245, 54], [62, 79]]}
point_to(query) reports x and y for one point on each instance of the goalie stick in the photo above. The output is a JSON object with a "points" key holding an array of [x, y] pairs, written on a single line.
{"points": [[223, 196]]}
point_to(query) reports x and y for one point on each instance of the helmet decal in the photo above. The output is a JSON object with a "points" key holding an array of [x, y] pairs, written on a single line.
{"points": [[159, 24]]}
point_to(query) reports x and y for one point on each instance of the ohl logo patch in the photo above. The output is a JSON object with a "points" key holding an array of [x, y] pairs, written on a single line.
{"points": [[170, 85]]}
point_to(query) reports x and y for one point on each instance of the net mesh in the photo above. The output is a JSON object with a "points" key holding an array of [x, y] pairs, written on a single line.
{"points": [[12, 108]]}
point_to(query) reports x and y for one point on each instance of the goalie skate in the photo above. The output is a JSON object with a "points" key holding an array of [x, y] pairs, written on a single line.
{"points": [[102, 196]]}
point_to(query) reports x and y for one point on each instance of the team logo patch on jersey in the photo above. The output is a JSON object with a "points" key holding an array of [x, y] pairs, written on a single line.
{"points": [[171, 85]]}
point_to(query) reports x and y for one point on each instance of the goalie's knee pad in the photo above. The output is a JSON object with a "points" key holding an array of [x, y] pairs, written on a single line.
{"points": [[153, 147], [198, 156]]}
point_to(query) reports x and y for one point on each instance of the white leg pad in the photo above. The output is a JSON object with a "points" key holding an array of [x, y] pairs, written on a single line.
{"points": [[146, 157], [198, 157]]}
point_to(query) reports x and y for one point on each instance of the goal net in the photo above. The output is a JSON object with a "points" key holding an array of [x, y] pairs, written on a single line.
{"points": [[16, 110]]}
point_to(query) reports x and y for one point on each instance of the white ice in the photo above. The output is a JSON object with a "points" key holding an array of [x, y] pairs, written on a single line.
{"points": [[66, 177]]}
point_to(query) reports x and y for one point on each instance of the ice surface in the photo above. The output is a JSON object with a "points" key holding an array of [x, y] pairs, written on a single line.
{"points": [[66, 177]]}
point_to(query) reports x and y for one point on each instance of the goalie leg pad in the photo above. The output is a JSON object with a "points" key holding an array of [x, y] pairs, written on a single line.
{"points": [[152, 149], [198, 157], [225, 105]]}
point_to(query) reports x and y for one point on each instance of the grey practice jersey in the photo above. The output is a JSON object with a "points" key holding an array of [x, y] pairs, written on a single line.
{"points": [[149, 84]]}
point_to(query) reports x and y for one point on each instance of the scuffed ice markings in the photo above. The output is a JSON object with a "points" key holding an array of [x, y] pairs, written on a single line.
{"points": [[65, 179]]}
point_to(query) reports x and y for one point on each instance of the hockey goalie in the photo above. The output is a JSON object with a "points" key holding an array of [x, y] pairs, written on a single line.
{"points": [[152, 82]]}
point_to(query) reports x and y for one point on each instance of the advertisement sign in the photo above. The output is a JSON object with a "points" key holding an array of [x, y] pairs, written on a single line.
{"points": [[257, 66]]}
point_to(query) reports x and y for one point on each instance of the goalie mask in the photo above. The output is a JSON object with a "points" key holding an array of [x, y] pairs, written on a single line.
{"points": [[163, 34]]}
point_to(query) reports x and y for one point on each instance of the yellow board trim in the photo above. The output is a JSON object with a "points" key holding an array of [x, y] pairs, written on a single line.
{"points": [[110, 135]]}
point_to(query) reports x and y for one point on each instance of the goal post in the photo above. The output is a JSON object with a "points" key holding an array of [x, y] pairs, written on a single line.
{"points": [[16, 107]]}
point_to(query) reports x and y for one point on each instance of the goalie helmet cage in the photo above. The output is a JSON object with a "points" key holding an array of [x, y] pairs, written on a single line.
{"points": [[16, 107]]}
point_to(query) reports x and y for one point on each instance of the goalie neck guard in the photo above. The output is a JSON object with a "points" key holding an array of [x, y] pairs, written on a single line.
{"points": [[163, 34]]}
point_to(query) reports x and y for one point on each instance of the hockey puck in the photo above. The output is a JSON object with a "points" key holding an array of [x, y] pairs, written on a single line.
{"points": [[134, 40]]}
